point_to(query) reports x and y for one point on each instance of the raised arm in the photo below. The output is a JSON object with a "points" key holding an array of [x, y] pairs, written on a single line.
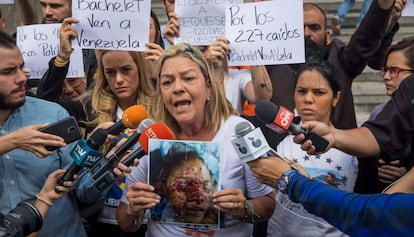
{"points": [[377, 60], [359, 141], [260, 87], [51, 84]]}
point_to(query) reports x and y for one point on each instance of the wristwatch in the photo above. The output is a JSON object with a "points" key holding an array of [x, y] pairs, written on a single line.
{"points": [[283, 181]]}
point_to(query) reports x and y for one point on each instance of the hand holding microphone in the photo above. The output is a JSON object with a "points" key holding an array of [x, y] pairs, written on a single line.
{"points": [[276, 118], [155, 131], [111, 158], [104, 176], [85, 154], [251, 144]]}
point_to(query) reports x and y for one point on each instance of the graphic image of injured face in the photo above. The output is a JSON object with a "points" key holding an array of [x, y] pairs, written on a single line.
{"points": [[189, 188]]}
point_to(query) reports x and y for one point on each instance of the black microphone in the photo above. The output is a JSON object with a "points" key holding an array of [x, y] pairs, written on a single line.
{"points": [[85, 154], [276, 118], [108, 164], [154, 131]]}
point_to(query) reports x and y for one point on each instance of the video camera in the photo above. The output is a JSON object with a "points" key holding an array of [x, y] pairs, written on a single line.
{"points": [[20, 221]]}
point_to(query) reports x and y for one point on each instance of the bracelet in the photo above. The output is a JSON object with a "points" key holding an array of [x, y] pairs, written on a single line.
{"points": [[59, 63], [251, 215], [47, 202], [63, 58]]}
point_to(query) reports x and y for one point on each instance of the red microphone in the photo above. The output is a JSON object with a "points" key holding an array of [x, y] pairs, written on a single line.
{"points": [[131, 118], [157, 131], [154, 131]]}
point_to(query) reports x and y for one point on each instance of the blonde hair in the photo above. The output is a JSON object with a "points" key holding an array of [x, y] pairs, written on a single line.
{"points": [[103, 101], [218, 108]]}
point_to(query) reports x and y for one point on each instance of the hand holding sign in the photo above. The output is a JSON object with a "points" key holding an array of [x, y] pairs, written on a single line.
{"points": [[112, 24], [67, 34]]}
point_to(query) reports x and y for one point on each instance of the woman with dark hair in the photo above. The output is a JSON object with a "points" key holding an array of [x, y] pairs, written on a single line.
{"points": [[317, 92], [399, 65]]}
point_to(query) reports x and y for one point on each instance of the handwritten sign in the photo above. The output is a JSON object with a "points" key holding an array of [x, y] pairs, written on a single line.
{"points": [[265, 33], [112, 24], [201, 21], [38, 44], [408, 9], [3, 2]]}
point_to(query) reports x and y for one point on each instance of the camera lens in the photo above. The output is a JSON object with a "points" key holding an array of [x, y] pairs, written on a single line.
{"points": [[24, 217]]}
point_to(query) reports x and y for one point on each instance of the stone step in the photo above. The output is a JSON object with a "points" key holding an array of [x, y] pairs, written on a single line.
{"points": [[403, 32]]}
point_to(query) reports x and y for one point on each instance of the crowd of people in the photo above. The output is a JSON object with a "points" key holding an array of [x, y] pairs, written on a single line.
{"points": [[188, 188]]}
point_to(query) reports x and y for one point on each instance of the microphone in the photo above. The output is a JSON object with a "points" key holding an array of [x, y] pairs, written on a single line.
{"points": [[104, 164], [154, 131], [85, 154], [251, 144], [275, 118], [131, 118]]}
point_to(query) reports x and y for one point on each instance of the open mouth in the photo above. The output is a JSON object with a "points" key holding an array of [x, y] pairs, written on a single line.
{"points": [[182, 103]]}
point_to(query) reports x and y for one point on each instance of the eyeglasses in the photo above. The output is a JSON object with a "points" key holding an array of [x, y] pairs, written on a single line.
{"points": [[394, 71]]}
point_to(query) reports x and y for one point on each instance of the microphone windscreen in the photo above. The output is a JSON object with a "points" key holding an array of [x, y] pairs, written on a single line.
{"points": [[156, 131], [266, 111], [133, 116], [144, 125], [242, 129], [97, 138]]}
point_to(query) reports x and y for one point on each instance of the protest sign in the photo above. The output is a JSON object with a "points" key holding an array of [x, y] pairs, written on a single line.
{"points": [[201, 21], [264, 33], [39, 43], [112, 24]]}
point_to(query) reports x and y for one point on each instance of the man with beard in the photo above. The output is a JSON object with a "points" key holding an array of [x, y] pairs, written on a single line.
{"points": [[21, 144]]}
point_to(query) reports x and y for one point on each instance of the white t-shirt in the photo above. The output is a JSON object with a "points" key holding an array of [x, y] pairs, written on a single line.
{"points": [[233, 174], [235, 87], [290, 218]]}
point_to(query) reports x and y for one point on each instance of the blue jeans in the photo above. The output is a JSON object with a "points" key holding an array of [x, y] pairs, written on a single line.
{"points": [[346, 5]]}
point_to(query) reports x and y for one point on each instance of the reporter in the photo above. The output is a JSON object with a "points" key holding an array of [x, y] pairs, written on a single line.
{"points": [[354, 214], [47, 195], [26, 218], [22, 172], [29, 138], [387, 134]]}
